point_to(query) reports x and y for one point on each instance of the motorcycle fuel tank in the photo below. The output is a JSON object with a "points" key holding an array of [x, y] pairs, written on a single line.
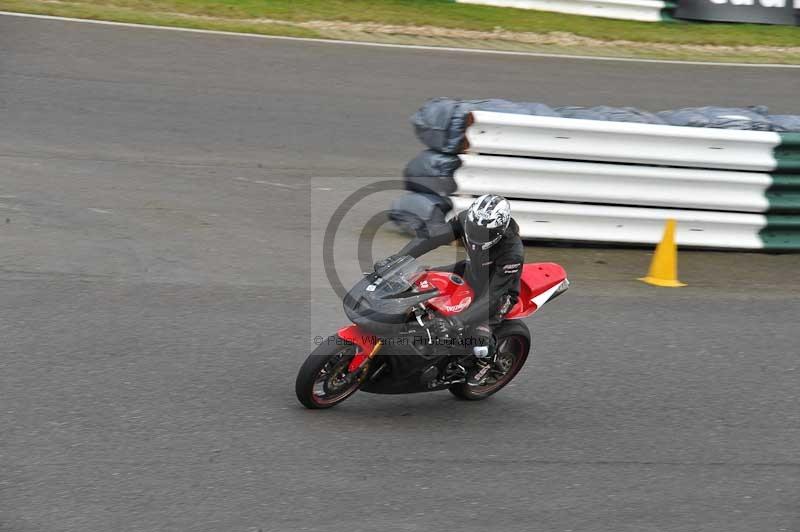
{"points": [[454, 294]]}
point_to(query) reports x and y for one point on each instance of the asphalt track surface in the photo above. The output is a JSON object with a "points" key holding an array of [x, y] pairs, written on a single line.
{"points": [[161, 200]]}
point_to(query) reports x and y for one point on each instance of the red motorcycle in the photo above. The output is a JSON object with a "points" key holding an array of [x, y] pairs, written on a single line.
{"points": [[389, 348]]}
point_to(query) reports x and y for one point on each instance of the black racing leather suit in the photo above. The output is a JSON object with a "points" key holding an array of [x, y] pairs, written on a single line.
{"points": [[493, 274]]}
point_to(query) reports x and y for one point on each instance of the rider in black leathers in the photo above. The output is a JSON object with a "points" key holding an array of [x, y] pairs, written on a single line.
{"points": [[492, 268]]}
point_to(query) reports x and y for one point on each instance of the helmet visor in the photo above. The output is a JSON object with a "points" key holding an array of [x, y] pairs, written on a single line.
{"points": [[482, 236]]}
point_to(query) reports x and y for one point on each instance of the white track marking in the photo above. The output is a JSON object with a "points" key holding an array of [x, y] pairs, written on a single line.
{"points": [[400, 46], [273, 184], [262, 182]]}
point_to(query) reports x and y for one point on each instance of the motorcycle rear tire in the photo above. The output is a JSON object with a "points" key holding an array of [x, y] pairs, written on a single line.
{"points": [[514, 331]]}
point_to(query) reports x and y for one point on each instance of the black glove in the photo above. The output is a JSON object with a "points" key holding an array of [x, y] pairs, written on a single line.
{"points": [[441, 327]]}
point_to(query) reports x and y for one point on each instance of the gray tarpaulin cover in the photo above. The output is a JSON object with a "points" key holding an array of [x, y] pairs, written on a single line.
{"points": [[785, 123], [415, 212], [610, 114], [431, 171], [440, 123], [751, 118]]}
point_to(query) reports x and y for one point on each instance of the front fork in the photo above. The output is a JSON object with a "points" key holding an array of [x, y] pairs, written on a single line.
{"points": [[367, 347]]}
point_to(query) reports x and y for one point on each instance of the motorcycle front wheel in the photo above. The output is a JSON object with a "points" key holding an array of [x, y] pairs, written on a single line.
{"points": [[513, 345], [323, 380]]}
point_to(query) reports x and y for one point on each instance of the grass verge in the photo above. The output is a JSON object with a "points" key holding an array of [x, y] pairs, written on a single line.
{"points": [[444, 23]]}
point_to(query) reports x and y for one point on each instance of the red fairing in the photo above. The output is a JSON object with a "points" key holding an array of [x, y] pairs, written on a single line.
{"points": [[537, 279], [364, 342], [455, 296]]}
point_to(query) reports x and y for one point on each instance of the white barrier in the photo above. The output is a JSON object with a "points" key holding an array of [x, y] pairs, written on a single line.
{"points": [[642, 10], [617, 184], [632, 225], [593, 140], [607, 181]]}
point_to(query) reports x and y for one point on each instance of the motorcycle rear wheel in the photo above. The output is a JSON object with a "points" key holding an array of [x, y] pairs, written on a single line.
{"points": [[323, 380], [513, 345]]}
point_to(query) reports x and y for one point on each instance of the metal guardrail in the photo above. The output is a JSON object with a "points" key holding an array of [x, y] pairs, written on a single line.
{"points": [[595, 181], [618, 184], [650, 144], [634, 225], [641, 10]]}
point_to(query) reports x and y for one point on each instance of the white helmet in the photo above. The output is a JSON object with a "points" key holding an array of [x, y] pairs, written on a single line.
{"points": [[487, 220]]}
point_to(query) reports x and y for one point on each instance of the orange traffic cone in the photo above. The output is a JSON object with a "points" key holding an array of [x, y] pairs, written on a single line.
{"points": [[664, 268]]}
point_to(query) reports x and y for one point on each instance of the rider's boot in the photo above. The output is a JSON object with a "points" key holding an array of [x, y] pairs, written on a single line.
{"points": [[483, 351]]}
